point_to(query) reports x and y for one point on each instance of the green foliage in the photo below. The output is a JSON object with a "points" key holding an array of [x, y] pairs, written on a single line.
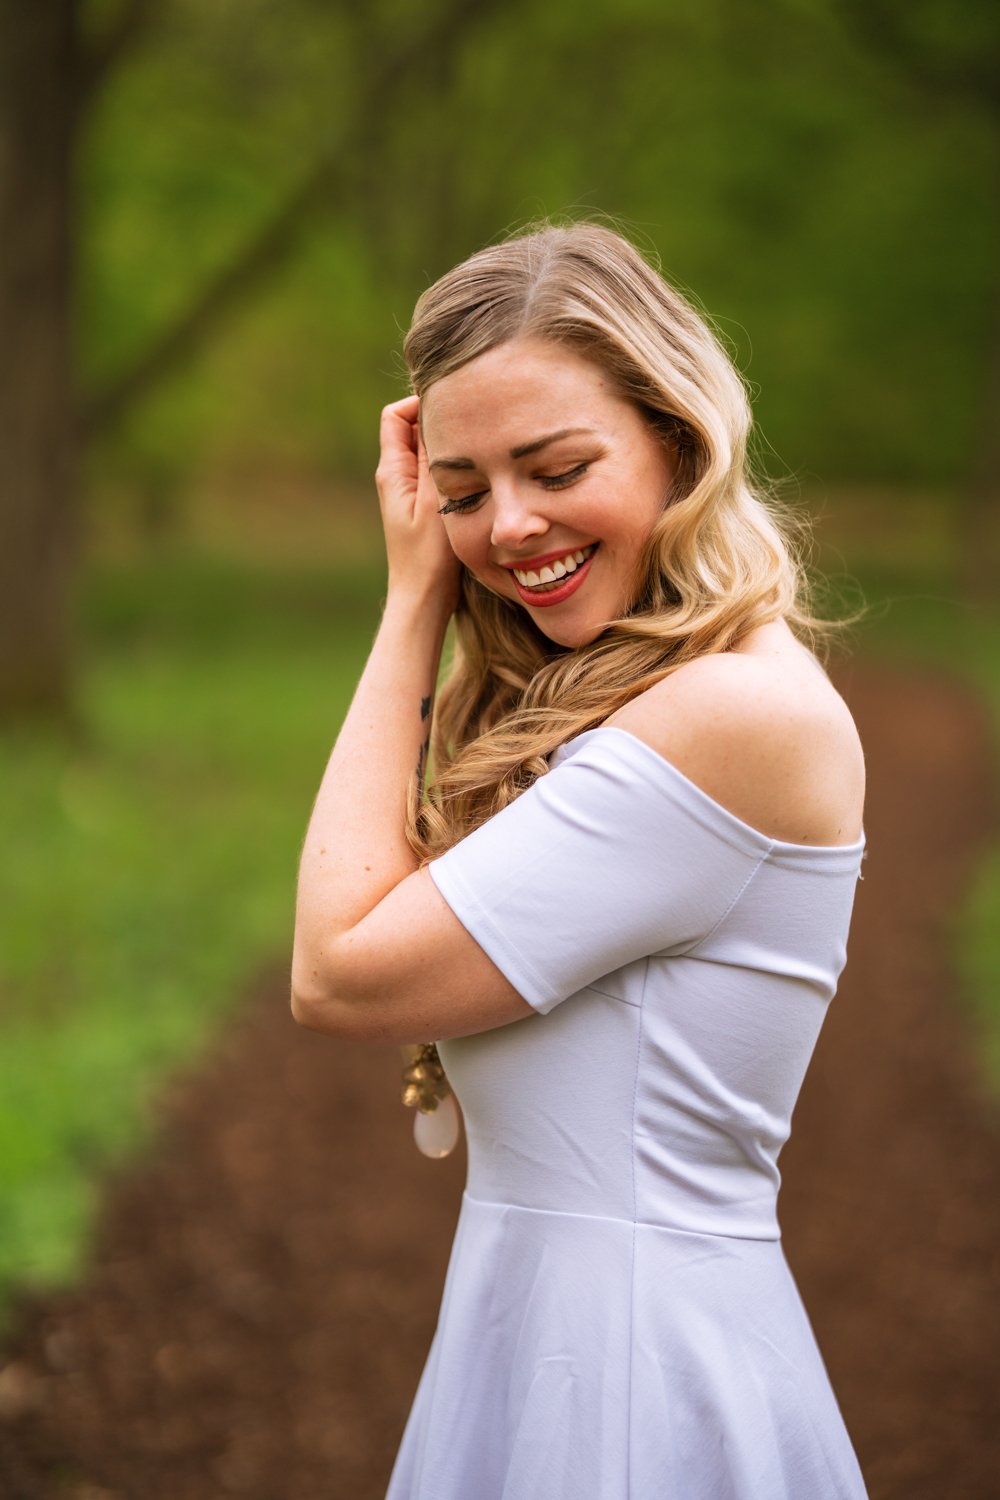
{"points": [[149, 869], [821, 173]]}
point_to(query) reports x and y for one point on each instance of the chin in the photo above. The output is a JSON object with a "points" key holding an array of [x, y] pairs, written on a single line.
{"points": [[568, 633], [570, 636]]}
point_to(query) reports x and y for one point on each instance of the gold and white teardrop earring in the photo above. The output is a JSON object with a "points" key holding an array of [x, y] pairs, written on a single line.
{"points": [[427, 1090]]}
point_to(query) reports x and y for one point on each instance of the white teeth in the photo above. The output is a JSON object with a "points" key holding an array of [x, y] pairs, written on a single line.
{"points": [[553, 571]]}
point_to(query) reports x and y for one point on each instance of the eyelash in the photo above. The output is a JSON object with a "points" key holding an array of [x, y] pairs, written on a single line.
{"points": [[550, 481]]}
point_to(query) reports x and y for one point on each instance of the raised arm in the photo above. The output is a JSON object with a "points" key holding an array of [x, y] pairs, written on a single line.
{"points": [[348, 978]]}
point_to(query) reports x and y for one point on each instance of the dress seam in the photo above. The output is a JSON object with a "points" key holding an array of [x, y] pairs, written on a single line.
{"points": [[734, 903], [566, 1213]]}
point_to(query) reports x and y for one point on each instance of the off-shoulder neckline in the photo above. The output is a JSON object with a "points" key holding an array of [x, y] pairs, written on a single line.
{"points": [[762, 839]]}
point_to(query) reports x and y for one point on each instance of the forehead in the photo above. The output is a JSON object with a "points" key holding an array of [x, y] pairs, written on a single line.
{"points": [[514, 393]]}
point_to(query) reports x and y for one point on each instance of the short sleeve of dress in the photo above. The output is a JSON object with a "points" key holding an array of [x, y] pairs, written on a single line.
{"points": [[613, 854]]}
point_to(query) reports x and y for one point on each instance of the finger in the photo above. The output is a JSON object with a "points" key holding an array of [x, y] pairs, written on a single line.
{"points": [[410, 405], [397, 428], [400, 413], [405, 411]]}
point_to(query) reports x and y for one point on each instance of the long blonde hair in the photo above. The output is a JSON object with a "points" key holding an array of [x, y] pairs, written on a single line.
{"points": [[718, 562]]}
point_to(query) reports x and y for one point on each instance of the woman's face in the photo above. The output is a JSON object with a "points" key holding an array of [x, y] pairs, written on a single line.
{"points": [[550, 482]]}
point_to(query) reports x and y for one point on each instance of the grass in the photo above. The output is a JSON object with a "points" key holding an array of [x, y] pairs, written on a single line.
{"points": [[149, 866], [150, 863]]}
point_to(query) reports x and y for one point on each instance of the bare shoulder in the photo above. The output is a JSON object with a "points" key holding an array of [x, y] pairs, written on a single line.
{"points": [[765, 733]]}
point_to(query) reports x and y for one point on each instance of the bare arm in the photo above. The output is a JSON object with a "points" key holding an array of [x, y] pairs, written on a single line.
{"points": [[355, 849], [360, 962]]}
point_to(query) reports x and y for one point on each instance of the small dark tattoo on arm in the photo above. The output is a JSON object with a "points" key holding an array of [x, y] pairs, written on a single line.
{"points": [[425, 709]]}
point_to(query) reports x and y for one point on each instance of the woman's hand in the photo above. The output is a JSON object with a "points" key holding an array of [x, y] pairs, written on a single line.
{"points": [[419, 555], [356, 850]]}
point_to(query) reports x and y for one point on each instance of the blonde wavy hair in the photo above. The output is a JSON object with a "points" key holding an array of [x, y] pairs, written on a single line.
{"points": [[719, 561]]}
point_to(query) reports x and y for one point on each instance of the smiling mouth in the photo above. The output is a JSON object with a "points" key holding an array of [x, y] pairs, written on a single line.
{"points": [[553, 574], [552, 587]]}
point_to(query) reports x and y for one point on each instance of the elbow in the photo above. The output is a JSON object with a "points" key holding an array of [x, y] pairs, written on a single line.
{"points": [[314, 1001], [319, 1010], [306, 1009], [319, 998]]}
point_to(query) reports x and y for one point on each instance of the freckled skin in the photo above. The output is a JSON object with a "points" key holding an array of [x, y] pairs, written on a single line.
{"points": [[608, 484]]}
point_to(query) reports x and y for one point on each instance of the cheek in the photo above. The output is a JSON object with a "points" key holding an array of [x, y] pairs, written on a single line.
{"points": [[467, 543]]}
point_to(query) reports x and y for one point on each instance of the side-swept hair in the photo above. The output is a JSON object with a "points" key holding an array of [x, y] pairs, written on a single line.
{"points": [[718, 562]]}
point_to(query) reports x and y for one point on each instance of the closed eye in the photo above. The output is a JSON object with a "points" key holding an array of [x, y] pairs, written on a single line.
{"points": [[464, 502], [558, 481]]}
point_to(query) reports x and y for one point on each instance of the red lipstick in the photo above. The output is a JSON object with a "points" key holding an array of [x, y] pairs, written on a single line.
{"points": [[532, 564], [569, 585]]}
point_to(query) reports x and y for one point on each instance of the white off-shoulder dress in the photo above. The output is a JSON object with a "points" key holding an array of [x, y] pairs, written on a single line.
{"points": [[619, 1321]]}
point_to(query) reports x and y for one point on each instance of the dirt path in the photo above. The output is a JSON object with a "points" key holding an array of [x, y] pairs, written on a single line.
{"points": [[264, 1290]]}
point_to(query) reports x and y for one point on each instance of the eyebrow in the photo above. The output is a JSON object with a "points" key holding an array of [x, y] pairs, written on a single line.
{"points": [[521, 451]]}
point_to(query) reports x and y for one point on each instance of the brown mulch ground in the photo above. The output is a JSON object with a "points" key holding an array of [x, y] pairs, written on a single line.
{"points": [[264, 1289]]}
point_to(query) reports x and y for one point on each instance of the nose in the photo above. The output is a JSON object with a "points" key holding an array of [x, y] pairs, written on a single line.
{"points": [[516, 517]]}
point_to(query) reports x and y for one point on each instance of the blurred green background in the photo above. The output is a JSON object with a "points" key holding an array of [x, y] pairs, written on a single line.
{"points": [[216, 218]]}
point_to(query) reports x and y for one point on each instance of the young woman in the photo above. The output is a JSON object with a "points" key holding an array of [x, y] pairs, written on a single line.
{"points": [[622, 907]]}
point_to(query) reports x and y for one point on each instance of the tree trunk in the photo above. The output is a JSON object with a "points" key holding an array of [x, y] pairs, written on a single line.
{"points": [[38, 441]]}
